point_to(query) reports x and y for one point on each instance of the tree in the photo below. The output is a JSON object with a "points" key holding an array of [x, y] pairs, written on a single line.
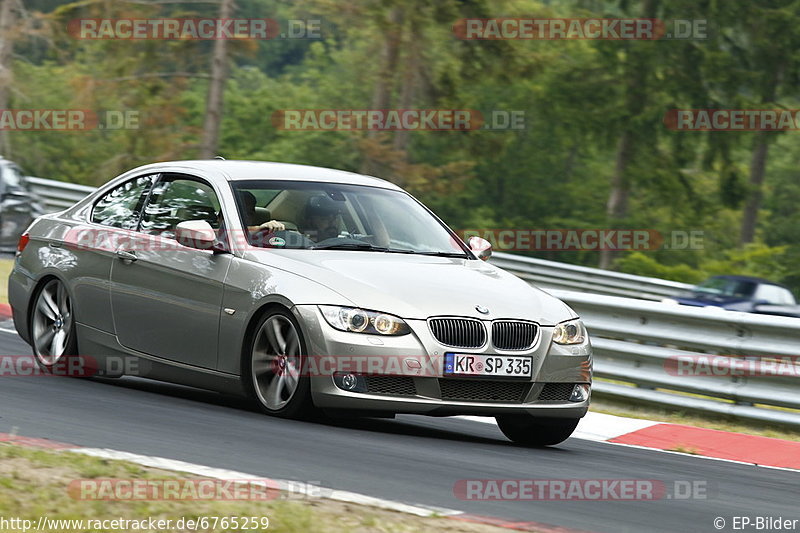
{"points": [[216, 89], [7, 17], [637, 68], [770, 56]]}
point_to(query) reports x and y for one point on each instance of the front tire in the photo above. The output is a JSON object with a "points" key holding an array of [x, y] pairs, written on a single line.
{"points": [[532, 431], [273, 367]]}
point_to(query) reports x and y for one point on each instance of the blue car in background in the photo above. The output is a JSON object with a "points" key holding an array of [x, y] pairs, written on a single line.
{"points": [[741, 293]]}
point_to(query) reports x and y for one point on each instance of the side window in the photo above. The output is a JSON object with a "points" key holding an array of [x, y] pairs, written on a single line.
{"points": [[178, 199], [119, 208]]}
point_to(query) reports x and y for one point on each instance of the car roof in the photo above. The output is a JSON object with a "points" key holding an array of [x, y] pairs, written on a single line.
{"points": [[753, 279], [265, 170]]}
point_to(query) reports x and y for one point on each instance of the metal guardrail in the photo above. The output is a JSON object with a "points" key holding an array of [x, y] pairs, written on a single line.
{"points": [[694, 359], [637, 342], [58, 195], [554, 275]]}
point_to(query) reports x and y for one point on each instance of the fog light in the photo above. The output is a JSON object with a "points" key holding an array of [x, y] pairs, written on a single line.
{"points": [[349, 382], [580, 393]]}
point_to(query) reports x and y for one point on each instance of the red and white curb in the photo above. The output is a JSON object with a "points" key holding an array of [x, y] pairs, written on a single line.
{"points": [[689, 440]]}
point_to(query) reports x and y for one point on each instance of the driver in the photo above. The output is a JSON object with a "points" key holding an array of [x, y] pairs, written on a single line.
{"points": [[320, 217], [249, 203]]}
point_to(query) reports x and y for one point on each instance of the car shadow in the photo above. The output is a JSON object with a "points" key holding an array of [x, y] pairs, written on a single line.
{"points": [[405, 425]]}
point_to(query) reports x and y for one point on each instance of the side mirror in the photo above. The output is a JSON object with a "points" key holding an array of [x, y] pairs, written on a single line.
{"points": [[196, 234], [480, 247]]}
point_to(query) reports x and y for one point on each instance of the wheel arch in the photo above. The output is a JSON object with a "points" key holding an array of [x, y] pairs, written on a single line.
{"points": [[258, 312]]}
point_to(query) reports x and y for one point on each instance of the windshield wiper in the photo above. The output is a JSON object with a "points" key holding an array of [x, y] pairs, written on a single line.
{"points": [[350, 246], [415, 252], [444, 254], [400, 251]]}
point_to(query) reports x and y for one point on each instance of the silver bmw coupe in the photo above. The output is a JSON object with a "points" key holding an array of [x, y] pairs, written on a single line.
{"points": [[315, 291]]}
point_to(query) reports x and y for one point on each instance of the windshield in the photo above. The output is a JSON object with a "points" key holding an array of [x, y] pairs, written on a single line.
{"points": [[310, 215], [726, 287]]}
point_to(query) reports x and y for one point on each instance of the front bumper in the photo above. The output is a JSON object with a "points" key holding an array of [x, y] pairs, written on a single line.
{"points": [[413, 381]]}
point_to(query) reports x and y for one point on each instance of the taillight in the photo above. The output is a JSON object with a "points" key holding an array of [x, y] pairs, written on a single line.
{"points": [[23, 242]]}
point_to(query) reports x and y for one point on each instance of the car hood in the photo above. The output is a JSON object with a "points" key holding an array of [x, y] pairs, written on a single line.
{"points": [[418, 286]]}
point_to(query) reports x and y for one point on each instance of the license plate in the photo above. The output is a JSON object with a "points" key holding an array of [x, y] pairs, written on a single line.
{"points": [[471, 364]]}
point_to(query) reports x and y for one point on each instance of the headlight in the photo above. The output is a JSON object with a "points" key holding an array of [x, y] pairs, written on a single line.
{"points": [[570, 332], [360, 321]]}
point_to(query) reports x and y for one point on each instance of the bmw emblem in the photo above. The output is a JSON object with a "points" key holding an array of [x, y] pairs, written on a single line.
{"points": [[481, 309]]}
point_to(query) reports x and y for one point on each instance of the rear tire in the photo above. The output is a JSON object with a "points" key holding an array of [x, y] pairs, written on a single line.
{"points": [[272, 367], [532, 431], [53, 336]]}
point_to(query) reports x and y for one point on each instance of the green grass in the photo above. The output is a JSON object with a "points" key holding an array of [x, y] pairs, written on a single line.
{"points": [[34, 483], [5, 270]]}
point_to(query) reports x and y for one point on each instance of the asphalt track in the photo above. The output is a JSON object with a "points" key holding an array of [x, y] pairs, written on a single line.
{"points": [[410, 459]]}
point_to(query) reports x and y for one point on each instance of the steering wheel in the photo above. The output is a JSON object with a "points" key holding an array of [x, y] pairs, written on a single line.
{"points": [[289, 238]]}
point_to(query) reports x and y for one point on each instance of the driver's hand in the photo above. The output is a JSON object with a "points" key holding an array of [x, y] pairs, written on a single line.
{"points": [[272, 225]]}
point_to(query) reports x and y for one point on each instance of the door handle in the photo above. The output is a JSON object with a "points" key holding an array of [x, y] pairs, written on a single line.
{"points": [[126, 255], [54, 244]]}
